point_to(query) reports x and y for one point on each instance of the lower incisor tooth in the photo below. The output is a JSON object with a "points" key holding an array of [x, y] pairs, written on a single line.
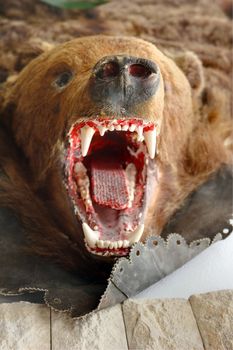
{"points": [[120, 244], [106, 244], [100, 244], [125, 244]]}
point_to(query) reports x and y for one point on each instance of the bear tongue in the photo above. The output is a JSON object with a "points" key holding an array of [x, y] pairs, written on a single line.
{"points": [[109, 183]]}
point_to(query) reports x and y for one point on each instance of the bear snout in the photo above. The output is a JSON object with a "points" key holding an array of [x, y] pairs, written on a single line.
{"points": [[122, 82]]}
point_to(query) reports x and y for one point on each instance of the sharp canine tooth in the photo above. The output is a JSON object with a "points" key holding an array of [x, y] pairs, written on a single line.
{"points": [[90, 235], [150, 140], [86, 136], [137, 234]]}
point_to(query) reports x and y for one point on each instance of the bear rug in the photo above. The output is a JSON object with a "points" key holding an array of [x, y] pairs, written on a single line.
{"points": [[111, 127]]}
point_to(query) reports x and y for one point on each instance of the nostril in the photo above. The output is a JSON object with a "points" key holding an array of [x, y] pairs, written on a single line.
{"points": [[139, 71], [120, 82], [110, 70]]}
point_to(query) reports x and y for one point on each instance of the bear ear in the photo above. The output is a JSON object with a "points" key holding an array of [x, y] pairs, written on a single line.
{"points": [[31, 50], [24, 54], [192, 67]]}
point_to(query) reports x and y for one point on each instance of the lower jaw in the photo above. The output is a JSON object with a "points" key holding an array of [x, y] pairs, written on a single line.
{"points": [[117, 243], [112, 248], [108, 252]]}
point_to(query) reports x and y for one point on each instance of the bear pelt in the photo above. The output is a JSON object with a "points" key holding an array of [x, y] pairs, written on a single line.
{"points": [[53, 93]]}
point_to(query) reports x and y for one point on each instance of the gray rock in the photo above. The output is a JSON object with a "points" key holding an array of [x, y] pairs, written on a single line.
{"points": [[24, 326], [214, 315], [161, 325], [102, 330]]}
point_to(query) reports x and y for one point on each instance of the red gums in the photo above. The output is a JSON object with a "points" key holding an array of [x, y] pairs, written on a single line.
{"points": [[147, 126]]}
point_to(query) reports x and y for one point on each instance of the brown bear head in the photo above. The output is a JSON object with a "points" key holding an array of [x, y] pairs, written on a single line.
{"points": [[102, 123]]}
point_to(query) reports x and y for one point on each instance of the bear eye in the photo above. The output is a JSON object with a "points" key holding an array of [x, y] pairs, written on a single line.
{"points": [[63, 79]]}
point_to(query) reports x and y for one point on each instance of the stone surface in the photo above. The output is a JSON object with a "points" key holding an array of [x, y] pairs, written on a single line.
{"points": [[205, 322], [161, 325], [214, 316], [102, 330], [24, 326]]}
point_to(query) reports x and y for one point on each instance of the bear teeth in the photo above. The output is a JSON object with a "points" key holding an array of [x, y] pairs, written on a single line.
{"points": [[150, 140], [93, 241], [91, 236], [143, 134], [102, 130], [86, 136]]}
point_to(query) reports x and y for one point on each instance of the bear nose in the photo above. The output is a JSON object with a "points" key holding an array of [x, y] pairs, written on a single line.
{"points": [[121, 82]]}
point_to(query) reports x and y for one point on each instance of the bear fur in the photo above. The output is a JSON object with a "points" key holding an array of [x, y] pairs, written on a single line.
{"points": [[35, 118]]}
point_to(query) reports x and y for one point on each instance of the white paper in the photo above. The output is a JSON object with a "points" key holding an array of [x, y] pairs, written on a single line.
{"points": [[211, 270]]}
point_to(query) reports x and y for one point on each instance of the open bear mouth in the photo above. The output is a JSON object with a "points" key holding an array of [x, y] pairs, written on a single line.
{"points": [[109, 163]]}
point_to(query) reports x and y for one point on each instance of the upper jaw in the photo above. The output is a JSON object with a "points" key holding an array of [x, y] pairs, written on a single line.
{"points": [[146, 130], [99, 239]]}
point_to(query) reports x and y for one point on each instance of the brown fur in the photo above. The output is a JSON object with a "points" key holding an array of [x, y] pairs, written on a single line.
{"points": [[35, 119]]}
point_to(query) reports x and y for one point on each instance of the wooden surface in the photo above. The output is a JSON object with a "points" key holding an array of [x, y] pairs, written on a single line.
{"points": [[204, 322]]}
